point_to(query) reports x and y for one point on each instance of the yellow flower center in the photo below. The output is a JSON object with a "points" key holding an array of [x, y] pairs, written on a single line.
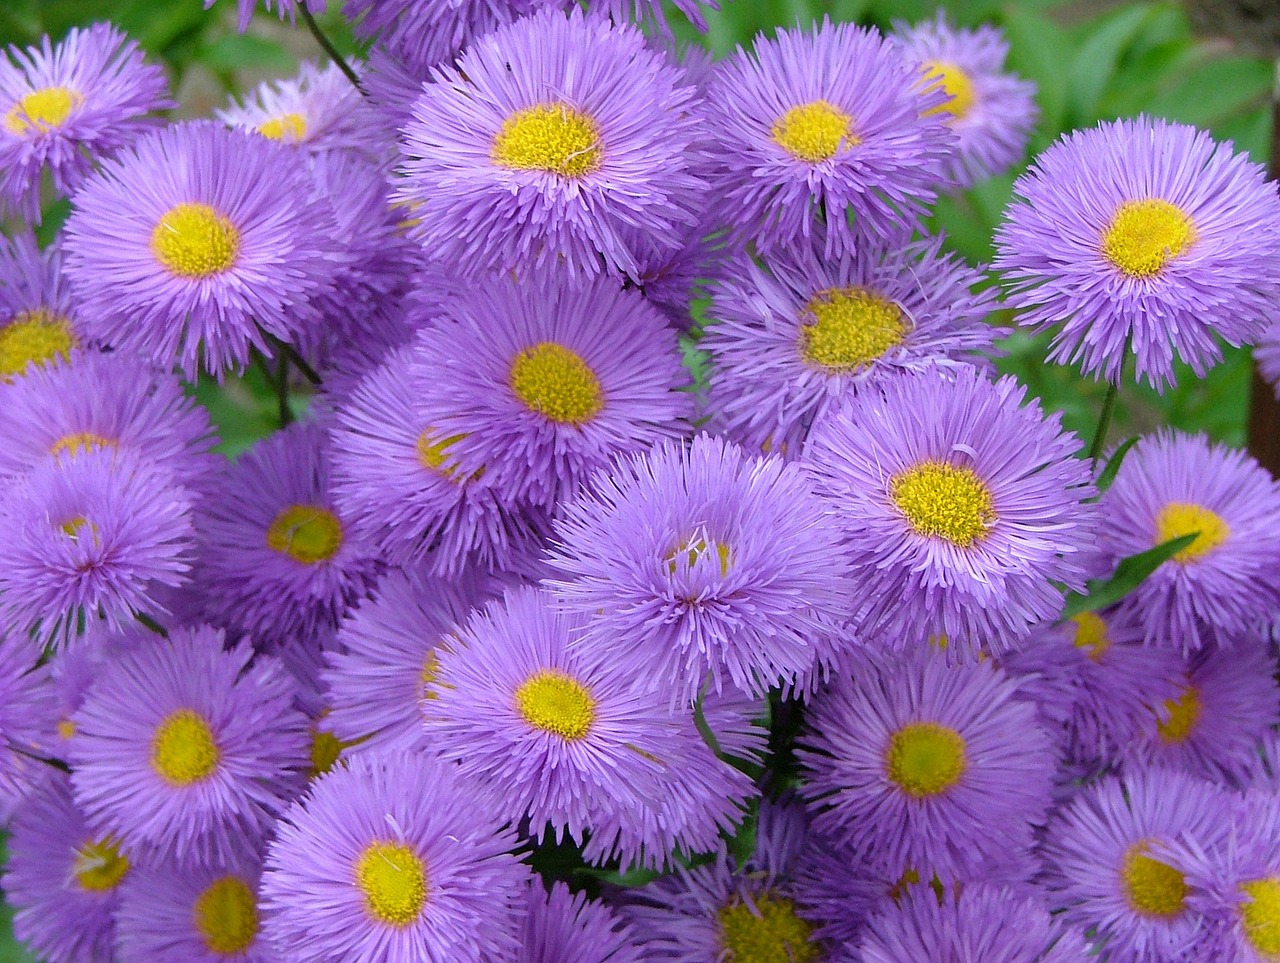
{"points": [[1091, 635], [554, 702], [1182, 518], [65, 728], [41, 110], [1184, 713], [33, 337], [226, 915], [183, 750], [80, 441], [852, 328], [290, 128], [925, 759], [393, 879], [195, 241], [955, 83], [75, 526], [553, 381], [433, 454], [427, 676], [814, 132], [764, 930], [325, 750], [940, 500], [548, 137], [99, 867], [1144, 236], [306, 533], [695, 548], [1260, 914], [1153, 888]]}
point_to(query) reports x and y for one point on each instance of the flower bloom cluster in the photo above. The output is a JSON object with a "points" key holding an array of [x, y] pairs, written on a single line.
{"points": [[526, 645]]}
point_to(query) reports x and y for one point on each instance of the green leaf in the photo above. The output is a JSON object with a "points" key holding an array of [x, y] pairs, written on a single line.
{"points": [[1108, 473], [1129, 574], [1098, 58]]}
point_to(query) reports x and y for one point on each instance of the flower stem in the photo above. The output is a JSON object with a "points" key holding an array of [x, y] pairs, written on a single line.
{"points": [[328, 47], [1109, 406], [282, 391]]}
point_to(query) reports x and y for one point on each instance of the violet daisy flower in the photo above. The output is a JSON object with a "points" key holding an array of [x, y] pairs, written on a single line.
{"points": [[38, 316], [1147, 236], [392, 860], [980, 922], [185, 752], [276, 559], [558, 142], [63, 107], [796, 333], [1225, 582], [814, 125], [699, 566], [566, 927], [98, 533], [217, 245], [992, 112], [542, 383], [931, 768], [27, 719], [283, 8], [62, 881], [964, 510]]}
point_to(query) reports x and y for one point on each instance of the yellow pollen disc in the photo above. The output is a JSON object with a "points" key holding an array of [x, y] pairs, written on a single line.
{"points": [[33, 337], [555, 382], [287, 127], [942, 501], [325, 750], [852, 328], [74, 528], [99, 867], [226, 915], [66, 728], [1260, 914], [432, 454], [695, 548], [955, 83], [195, 241], [925, 759], [549, 137], [764, 930], [814, 132], [41, 110], [430, 668], [78, 442], [1184, 713], [1181, 518], [555, 702], [306, 533], [1144, 236], [183, 750], [1153, 888], [1091, 635], [393, 879]]}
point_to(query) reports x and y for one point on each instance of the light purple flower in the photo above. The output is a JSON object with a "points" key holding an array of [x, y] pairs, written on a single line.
{"points": [[27, 720], [565, 927], [38, 316]]}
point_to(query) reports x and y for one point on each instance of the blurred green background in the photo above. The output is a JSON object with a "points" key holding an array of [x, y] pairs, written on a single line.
{"points": [[1092, 60]]}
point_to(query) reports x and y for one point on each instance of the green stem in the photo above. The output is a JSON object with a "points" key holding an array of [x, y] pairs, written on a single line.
{"points": [[298, 361], [1109, 406], [700, 721], [282, 391], [328, 46], [151, 624]]}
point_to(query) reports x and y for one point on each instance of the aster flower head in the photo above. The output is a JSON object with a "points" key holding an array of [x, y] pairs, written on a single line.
{"points": [[99, 533], [62, 881], [38, 315], [1223, 583], [797, 332], [63, 107], [1142, 235], [932, 768], [832, 121], [27, 714], [542, 383], [1109, 870], [963, 509], [565, 927], [556, 141], [702, 566], [216, 244], [391, 860], [185, 752], [991, 111], [283, 8], [276, 558]]}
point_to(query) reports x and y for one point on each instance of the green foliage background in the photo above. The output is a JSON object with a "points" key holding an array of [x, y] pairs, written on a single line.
{"points": [[1091, 59]]}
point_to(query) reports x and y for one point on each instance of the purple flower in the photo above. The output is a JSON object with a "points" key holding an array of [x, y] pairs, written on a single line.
{"points": [[391, 860], [1144, 235], [798, 332], [216, 246], [1227, 580], [566, 927], [63, 107], [813, 126], [27, 720], [963, 509], [38, 316], [184, 752], [283, 8], [557, 142], [701, 566]]}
